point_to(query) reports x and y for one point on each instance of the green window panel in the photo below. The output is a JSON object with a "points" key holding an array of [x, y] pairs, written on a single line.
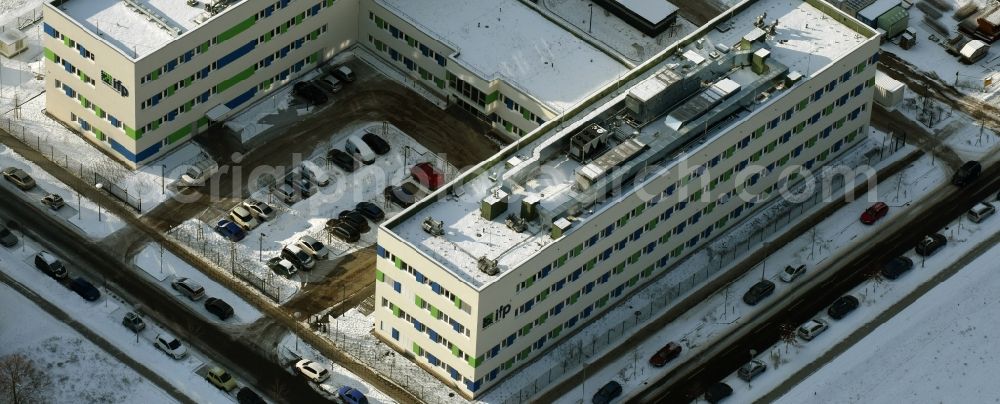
{"points": [[237, 78], [475, 362], [132, 133], [852, 136], [435, 312], [455, 351], [721, 223], [542, 296], [379, 276], [283, 29], [155, 74], [524, 354], [492, 96], [410, 41], [526, 114], [187, 107], [677, 251], [100, 135], [99, 111], [638, 210], [398, 262], [202, 121], [576, 250], [49, 54], [156, 125], [179, 134], [509, 126], [574, 297], [204, 47], [329, 3], [529, 281], [170, 91], [458, 302], [757, 133], [648, 271], [418, 301], [417, 349], [802, 104], [313, 35], [590, 264], [555, 331], [664, 238], [396, 311], [68, 42], [561, 261], [709, 208], [783, 160], [542, 318], [508, 364], [526, 329], [267, 36], [83, 101], [299, 18], [634, 258], [378, 21], [187, 81], [631, 282], [236, 30]]}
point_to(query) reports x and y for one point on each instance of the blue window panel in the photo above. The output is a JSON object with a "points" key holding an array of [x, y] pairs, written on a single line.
{"points": [[188, 55], [650, 247], [743, 164], [433, 335], [606, 254], [171, 65], [493, 374], [283, 75], [240, 99], [680, 228], [666, 214], [540, 343], [693, 241], [472, 386], [559, 285], [395, 334], [662, 262], [393, 54], [125, 152], [156, 99], [171, 115], [809, 164], [621, 244], [696, 217], [707, 232], [455, 325], [770, 167], [436, 288], [417, 325], [681, 205], [608, 230], [268, 60], [587, 311], [508, 102], [69, 67], [588, 288], [394, 31], [380, 251], [315, 9], [69, 91], [49, 30], [397, 287], [836, 146], [558, 308], [440, 60], [774, 122], [114, 121], [873, 59], [433, 360], [814, 118], [84, 124], [284, 3], [618, 291], [818, 94], [670, 190], [593, 240], [204, 96], [268, 11], [299, 65], [495, 350], [545, 271], [637, 234], [788, 135], [420, 277], [204, 72], [454, 373], [284, 52], [83, 51], [236, 54], [797, 151], [605, 277], [744, 142], [299, 42], [511, 338], [576, 274], [572, 321]]}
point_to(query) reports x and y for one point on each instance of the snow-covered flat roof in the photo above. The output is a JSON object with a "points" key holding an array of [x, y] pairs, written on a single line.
{"points": [[132, 29], [653, 11], [806, 41], [878, 8], [504, 38]]}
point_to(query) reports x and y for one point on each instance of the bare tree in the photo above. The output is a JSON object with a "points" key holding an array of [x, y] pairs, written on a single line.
{"points": [[21, 382], [786, 332]]}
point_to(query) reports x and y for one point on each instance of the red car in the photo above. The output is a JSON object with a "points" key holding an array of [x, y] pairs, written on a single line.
{"points": [[427, 175], [665, 354], [874, 212]]}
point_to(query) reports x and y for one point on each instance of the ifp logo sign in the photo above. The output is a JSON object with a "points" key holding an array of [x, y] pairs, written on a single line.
{"points": [[114, 83]]}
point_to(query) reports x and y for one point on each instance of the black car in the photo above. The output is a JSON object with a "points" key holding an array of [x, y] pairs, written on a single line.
{"points": [[607, 393], [930, 244], [896, 267], [842, 307], [345, 232], [355, 219], [85, 289], [309, 92], [247, 396], [52, 266], [967, 173], [7, 239], [370, 211], [376, 143], [399, 195], [221, 309], [342, 159], [758, 292], [717, 392]]}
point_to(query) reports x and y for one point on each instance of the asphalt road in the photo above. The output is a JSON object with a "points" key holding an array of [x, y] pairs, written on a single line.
{"points": [[97, 264], [688, 381]]}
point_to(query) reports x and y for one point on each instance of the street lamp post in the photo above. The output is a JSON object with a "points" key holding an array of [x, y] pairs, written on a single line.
{"points": [[261, 250], [590, 25], [99, 186], [163, 175]]}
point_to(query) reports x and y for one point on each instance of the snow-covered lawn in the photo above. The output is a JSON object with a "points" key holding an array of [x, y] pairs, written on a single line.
{"points": [[80, 372], [712, 318], [80, 212], [290, 350], [938, 349], [104, 317], [164, 266]]}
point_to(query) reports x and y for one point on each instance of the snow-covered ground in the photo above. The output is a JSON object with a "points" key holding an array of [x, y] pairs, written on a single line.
{"points": [[939, 349], [79, 371], [80, 212], [960, 132], [164, 266], [104, 317], [931, 56], [291, 350], [613, 32]]}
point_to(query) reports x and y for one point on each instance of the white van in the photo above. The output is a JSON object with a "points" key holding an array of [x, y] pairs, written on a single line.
{"points": [[981, 211], [316, 175], [357, 147]]}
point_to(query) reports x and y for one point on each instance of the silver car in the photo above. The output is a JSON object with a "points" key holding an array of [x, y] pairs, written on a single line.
{"points": [[188, 288], [313, 247], [170, 345]]}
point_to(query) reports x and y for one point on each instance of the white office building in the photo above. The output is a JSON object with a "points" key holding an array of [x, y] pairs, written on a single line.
{"points": [[492, 270]]}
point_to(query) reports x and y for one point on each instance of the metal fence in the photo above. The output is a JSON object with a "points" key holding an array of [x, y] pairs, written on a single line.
{"points": [[95, 175], [227, 257]]}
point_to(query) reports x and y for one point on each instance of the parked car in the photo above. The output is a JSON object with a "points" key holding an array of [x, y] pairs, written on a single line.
{"points": [[665, 354], [298, 257], [427, 175], [286, 193], [342, 159], [607, 393], [316, 174], [309, 92], [344, 232], [198, 173], [399, 195], [133, 322], [313, 371], [930, 244], [896, 267], [19, 178], [981, 211], [351, 395], [301, 185], [355, 219], [231, 231], [328, 85], [170, 345], [812, 328], [53, 201], [281, 266], [219, 308], [751, 369], [376, 143], [261, 210], [242, 216], [359, 149], [843, 306], [967, 173], [717, 392], [874, 213], [7, 239], [343, 73], [48, 263], [220, 378], [758, 292], [791, 273], [85, 289], [247, 396], [313, 247], [370, 210], [189, 288]]}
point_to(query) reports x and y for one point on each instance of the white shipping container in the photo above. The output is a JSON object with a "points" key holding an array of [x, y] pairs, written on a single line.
{"points": [[888, 91]]}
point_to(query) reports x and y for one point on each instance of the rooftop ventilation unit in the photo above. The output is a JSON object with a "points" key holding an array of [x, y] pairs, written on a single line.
{"points": [[494, 205], [529, 207], [433, 227], [154, 17], [599, 168], [587, 142], [488, 266], [516, 224], [559, 227]]}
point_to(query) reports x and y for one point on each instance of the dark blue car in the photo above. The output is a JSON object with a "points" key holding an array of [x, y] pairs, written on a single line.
{"points": [[351, 395], [230, 230], [85, 289], [607, 393]]}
